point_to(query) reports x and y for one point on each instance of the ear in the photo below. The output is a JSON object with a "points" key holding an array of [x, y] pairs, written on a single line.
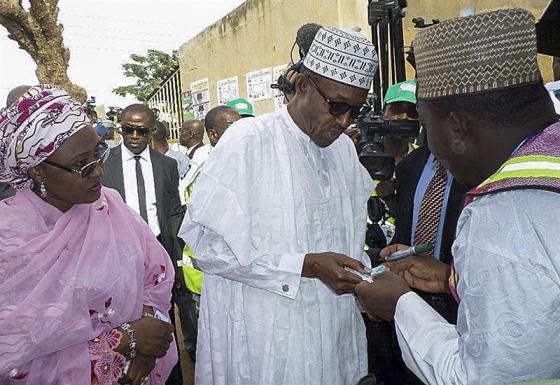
{"points": [[460, 127], [460, 130], [301, 83], [211, 134], [36, 174]]}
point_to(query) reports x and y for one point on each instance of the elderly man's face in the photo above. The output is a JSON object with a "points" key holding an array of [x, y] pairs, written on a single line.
{"points": [[322, 126]]}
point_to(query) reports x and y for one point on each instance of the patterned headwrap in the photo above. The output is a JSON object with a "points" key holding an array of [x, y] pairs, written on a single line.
{"points": [[478, 53], [34, 127]]}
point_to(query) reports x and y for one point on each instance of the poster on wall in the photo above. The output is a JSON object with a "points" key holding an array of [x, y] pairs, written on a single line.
{"points": [[201, 110], [228, 89], [200, 92], [278, 96], [188, 111], [258, 84]]}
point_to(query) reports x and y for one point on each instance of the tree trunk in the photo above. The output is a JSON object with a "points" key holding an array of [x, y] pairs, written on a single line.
{"points": [[38, 33]]}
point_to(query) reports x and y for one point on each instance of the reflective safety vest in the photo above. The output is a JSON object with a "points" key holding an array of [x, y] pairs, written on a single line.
{"points": [[535, 165], [193, 276]]}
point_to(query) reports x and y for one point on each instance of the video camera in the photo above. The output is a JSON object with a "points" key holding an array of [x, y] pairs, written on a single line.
{"points": [[385, 18], [114, 114]]}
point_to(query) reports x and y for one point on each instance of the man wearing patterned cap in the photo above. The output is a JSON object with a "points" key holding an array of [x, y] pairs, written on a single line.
{"points": [[277, 214], [489, 120]]}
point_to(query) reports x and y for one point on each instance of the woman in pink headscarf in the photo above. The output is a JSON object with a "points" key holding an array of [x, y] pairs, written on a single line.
{"points": [[83, 280]]}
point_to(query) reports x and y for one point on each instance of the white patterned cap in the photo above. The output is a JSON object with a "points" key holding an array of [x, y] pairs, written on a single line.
{"points": [[343, 55], [480, 53]]}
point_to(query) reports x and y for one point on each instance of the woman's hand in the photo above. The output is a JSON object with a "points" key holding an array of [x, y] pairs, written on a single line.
{"points": [[140, 367], [153, 336]]}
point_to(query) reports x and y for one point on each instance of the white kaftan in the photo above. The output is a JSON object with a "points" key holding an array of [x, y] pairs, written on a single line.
{"points": [[267, 196], [507, 255]]}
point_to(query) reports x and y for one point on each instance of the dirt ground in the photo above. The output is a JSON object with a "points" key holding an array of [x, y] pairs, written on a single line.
{"points": [[186, 363]]}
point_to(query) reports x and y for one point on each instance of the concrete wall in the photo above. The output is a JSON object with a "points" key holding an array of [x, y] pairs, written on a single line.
{"points": [[260, 34]]}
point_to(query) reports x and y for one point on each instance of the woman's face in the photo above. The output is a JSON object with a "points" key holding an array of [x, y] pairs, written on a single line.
{"points": [[66, 188]]}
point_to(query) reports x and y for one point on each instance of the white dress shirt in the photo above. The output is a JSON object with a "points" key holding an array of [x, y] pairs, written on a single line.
{"points": [[197, 161], [130, 187], [265, 197], [553, 89], [508, 325]]}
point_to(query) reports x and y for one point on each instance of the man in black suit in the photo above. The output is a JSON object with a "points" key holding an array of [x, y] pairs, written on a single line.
{"points": [[157, 184], [149, 183]]}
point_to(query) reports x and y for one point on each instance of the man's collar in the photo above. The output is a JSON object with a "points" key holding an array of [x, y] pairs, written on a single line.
{"points": [[127, 154], [189, 149]]}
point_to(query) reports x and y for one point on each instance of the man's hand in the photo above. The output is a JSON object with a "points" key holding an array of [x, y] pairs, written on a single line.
{"points": [[179, 285], [386, 188], [329, 268], [420, 272], [379, 299], [354, 133], [140, 367]]}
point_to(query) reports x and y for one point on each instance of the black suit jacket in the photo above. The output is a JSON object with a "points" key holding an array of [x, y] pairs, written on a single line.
{"points": [[168, 204], [408, 174]]}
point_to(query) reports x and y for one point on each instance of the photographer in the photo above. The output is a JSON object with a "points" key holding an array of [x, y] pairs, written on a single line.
{"points": [[399, 104]]}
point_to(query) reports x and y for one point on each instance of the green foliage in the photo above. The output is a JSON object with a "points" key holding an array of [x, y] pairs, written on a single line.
{"points": [[149, 70]]}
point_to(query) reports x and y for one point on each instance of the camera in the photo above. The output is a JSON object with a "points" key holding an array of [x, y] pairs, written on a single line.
{"points": [[114, 114], [373, 127]]}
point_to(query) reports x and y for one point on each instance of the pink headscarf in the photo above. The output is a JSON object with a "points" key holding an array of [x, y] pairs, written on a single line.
{"points": [[67, 277], [34, 127]]}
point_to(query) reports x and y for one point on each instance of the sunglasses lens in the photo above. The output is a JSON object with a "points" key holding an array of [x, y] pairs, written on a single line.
{"points": [[338, 109], [129, 130], [88, 169]]}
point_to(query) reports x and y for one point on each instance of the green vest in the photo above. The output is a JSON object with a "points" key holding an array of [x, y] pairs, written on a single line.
{"points": [[193, 276]]}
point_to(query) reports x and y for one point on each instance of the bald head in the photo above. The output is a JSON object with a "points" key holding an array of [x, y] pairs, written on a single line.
{"points": [[16, 93], [217, 121], [139, 109], [160, 133], [191, 133]]}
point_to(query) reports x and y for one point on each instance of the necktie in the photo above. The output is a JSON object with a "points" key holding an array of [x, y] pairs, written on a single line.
{"points": [[141, 188], [430, 209]]}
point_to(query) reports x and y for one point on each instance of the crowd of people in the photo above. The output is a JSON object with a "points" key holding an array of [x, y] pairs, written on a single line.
{"points": [[257, 238]]}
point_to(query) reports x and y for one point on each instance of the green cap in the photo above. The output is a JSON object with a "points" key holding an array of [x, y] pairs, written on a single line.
{"points": [[401, 92], [242, 106]]}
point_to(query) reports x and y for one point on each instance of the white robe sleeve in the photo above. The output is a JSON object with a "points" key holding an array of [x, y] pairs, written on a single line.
{"points": [[224, 226], [278, 273], [429, 344], [507, 329]]}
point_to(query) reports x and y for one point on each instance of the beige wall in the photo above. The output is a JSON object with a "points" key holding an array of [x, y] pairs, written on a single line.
{"points": [[260, 34]]}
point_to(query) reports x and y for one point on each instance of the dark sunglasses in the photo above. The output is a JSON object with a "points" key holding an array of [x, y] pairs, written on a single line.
{"points": [[101, 153], [337, 108], [129, 130]]}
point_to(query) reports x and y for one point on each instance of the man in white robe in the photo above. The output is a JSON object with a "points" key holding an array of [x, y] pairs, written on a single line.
{"points": [[490, 121], [278, 212]]}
